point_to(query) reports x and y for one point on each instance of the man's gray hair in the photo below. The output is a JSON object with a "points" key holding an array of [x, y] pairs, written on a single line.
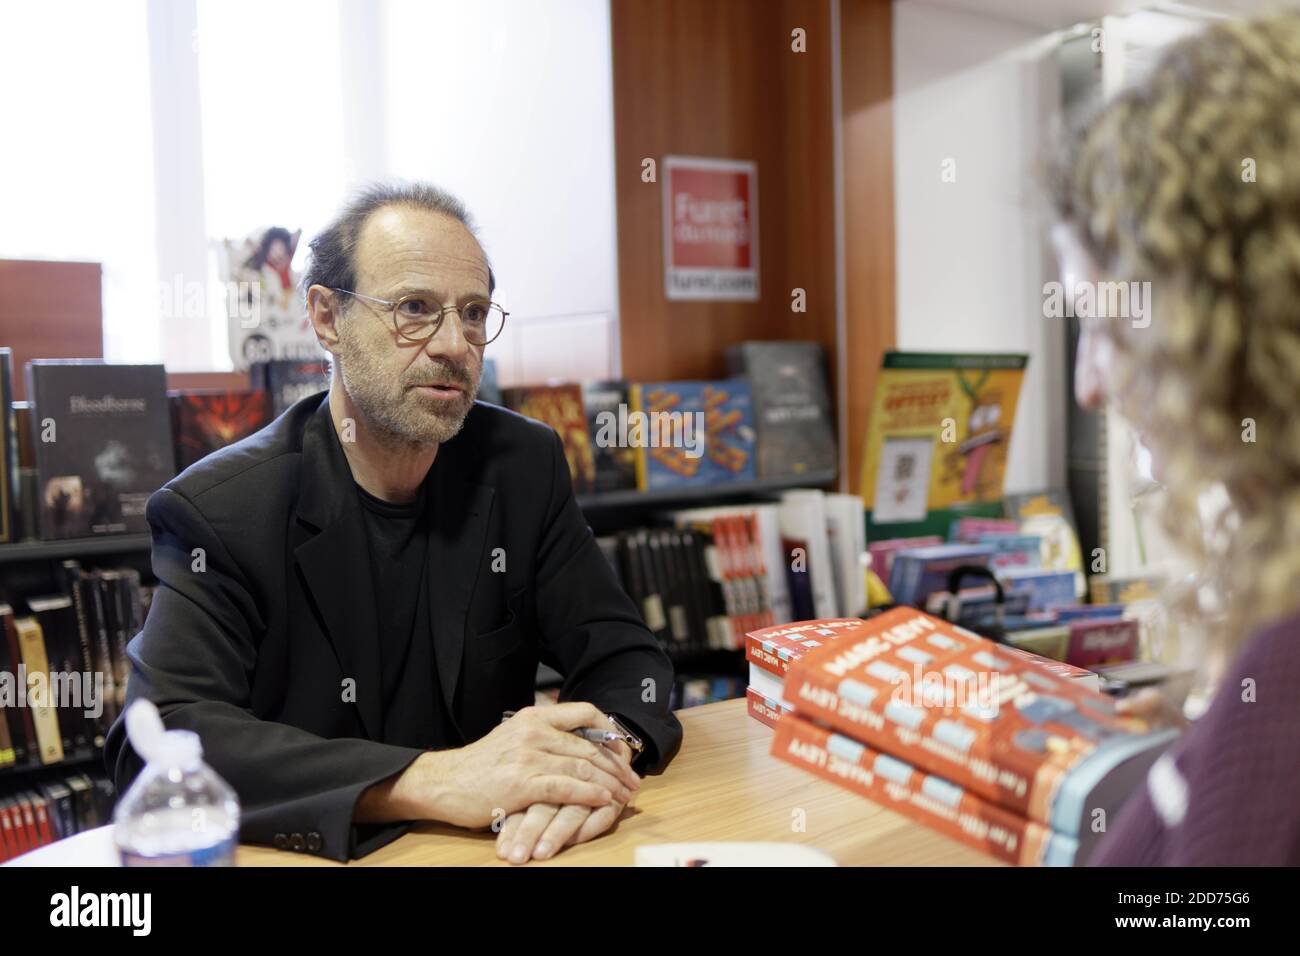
{"points": [[332, 258]]}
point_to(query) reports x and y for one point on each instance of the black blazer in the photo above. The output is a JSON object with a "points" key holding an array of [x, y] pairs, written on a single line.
{"points": [[248, 642]]}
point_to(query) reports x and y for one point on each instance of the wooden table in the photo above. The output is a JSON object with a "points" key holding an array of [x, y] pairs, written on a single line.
{"points": [[722, 786]]}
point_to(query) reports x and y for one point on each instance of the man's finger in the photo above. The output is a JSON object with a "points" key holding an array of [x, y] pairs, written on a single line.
{"points": [[598, 822], [561, 829], [572, 715], [563, 789], [583, 771], [537, 818], [600, 755], [506, 838]]}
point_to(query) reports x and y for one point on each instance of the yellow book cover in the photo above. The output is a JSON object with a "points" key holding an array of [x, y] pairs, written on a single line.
{"points": [[31, 644], [939, 432]]}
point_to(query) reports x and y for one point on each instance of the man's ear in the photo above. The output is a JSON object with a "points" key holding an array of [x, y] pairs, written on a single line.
{"points": [[322, 309]]}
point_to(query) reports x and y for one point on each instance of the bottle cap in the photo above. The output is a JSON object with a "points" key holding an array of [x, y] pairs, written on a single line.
{"points": [[154, 742]]}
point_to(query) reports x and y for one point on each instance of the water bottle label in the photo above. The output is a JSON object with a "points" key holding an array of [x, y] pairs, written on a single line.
{"points": [[219, 854]]}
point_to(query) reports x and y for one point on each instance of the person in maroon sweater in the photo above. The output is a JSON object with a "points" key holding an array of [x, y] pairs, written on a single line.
{"points": [[1188, 181]]}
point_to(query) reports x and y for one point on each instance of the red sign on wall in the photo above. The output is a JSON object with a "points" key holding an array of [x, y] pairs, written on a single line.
{"points": [[710, 228]]}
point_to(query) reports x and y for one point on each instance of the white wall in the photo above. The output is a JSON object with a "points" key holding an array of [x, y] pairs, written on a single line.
{"points": [[971, 258], [509, 104]]}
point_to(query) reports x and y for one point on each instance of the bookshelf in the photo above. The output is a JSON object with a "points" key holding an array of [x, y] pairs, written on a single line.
{"points": [[704, 495], [73, 548]]}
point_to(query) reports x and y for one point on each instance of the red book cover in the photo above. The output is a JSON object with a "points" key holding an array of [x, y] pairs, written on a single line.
{"points": [[926, 798], [775, 648], [763, 709], [26, 828], [1092, 643], [952, 703], [205, 420], [8, 842]]}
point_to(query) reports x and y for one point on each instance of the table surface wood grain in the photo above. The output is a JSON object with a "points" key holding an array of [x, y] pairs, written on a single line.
{"points": [[722, 786]]}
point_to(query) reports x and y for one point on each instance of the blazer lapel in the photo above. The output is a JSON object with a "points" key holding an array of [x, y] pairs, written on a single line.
{"points": [[461, 507], [334, 558]]}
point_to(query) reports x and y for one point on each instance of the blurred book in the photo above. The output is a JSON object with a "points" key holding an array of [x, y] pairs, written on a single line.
{"points": [[105, 445], [792, 406], [560, 406], [615, 459], [288, 381], [1049, 516], [206, 420]]}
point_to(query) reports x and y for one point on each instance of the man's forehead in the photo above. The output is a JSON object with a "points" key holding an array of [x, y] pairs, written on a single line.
{"points": [[404, 244]]}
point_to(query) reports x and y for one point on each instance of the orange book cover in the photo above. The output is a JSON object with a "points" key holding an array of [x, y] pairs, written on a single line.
{"points": [[763, 709], [926, 798], [560, 406], [1004, 727], [775, 648]]}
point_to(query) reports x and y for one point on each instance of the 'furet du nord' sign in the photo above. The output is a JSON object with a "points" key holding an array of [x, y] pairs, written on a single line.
{"points": [[710, 228]]}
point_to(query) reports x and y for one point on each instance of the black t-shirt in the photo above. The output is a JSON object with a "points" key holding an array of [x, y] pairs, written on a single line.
{"points": [[398, 535]]}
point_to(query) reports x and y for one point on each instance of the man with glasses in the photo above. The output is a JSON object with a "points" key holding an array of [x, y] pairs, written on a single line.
{"points": [[350, 600]]}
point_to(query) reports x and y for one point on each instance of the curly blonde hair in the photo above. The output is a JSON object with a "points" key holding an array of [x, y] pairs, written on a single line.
{"points": [[1191, 180]]}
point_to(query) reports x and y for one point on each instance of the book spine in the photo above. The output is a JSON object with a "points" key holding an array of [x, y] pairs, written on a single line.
{"points": [[923, 797], [762, 709], [31, 641], [21, 727]]}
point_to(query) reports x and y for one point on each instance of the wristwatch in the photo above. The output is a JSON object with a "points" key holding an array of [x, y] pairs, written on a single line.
{"points": [[629, 738]]}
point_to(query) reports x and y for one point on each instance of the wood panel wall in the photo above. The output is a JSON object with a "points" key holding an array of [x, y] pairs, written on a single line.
{"points": [[719, 79], [49, 310]]}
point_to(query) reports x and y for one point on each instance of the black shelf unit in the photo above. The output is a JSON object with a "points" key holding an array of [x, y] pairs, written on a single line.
{"points": [[64, 548], [74, 761], [611, 511]]}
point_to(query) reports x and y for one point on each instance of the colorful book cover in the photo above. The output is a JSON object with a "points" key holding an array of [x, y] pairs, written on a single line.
{"points": [[1014, 551], [882, 552], [939, 432], [204, 421], [972, 530], [288, 381], [266, 317], [925, 797], [1046, 588], [730, 438], [792, 406], [104, 445], [1091, 612], [560, 406], [1049, 516], [615, 460], [1092, 643], [1008, 729], [1116, 589], [670, 442], [1051, 641], [919, 572]]}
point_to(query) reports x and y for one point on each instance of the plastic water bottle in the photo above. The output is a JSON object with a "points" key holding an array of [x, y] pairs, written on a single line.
{"points": [[178, 812]]}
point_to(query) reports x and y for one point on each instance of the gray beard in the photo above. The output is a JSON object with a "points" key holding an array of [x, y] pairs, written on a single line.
{"points": [[403, 420]]}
